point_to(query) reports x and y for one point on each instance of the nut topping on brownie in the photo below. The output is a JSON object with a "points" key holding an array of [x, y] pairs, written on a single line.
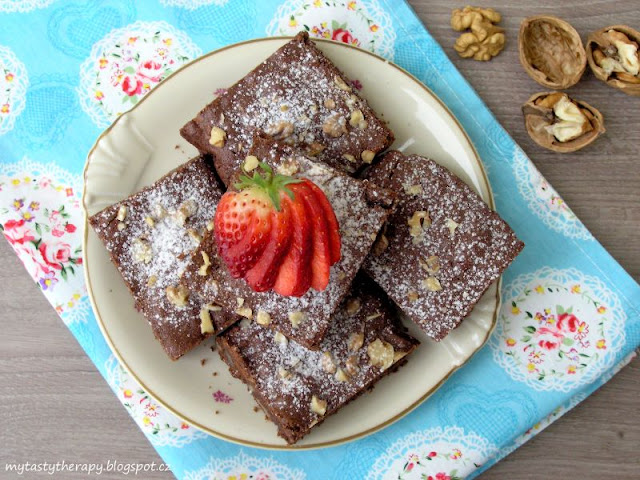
{"points": [[442, 246], [298, 97], [298, 388]]}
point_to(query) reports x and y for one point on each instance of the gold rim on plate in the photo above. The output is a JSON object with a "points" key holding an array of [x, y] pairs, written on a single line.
{"points": [[174, 410]]}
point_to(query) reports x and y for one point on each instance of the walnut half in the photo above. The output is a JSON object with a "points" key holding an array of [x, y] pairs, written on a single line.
{"points": [[614, 57], [559, 123]]}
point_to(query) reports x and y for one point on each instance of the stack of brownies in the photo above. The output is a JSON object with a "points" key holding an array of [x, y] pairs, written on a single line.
{"points": [[413, 236]]}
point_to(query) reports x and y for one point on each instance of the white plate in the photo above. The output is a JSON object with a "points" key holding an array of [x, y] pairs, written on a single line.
{"points": [[141, 146]]}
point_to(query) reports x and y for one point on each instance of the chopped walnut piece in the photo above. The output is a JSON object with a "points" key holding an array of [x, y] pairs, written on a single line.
{"points": [[353, 305], [349, 157], [218, 137], [315, 148], [342, 376], [374, 316], [413, 189], [342, 85], [367, 156], [381, 245], [329, 103], [413, 296], [328, 365], [263, 318], [213, 308], [210, 225], [356, 340], [296, 318], [334, 126], [121, 226], [452, 225], [142, 251], [205, 321], [186, 209], [284, 108], [289, 167], [122, 213], [352, 365], [251, 162], [280, 130], [202, 271], [357, 120], [380, 354], [432, 284], [245, 312], [418, 222], [280, 338], [152, 280], [150, 221], [318, 405], [178, 296], [431, 264]]}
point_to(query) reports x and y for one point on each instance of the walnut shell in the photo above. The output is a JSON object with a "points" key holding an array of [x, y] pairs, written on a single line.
{"points": [[539, 116], [598, 42], [551, 51]]}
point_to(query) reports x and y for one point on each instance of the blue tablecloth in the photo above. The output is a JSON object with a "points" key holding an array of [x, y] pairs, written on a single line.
{"points": [[570, 317]]}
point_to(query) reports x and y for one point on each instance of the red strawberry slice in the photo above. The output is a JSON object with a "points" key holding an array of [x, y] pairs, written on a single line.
{"points": [[332, 222], [321, 256], [263, 274], [294, 277], [277, 233], [243, 223]]}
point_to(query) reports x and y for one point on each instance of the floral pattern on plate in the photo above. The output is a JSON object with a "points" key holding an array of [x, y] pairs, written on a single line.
{"points": [[127, 64], [161, 427], [245, 467], [558, 329], [192, 4], [361, 23], [544, 201], [23, 6], [13, 88], [41, 217], [434, 454]]}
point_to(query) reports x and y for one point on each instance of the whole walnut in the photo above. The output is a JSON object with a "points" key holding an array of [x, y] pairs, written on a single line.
{"points": [[485, 40]]}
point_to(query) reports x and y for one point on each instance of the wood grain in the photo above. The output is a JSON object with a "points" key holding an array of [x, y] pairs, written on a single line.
{"points": [[54, 405]]}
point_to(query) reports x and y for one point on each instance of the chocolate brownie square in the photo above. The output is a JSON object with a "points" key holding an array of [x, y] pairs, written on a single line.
{"points": [[361, 209], [443, 246], [298, 388], [298, 97], [150, 237]]}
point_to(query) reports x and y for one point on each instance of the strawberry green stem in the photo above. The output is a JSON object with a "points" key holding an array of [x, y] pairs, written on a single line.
{"points": [[271, 183]]}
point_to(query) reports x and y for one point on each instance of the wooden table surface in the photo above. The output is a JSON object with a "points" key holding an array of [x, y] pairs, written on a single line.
{"points": [[54, 404]]}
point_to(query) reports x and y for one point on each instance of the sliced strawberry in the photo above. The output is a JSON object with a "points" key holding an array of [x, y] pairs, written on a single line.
{"points": [[332, 222], [263, 274], [243, 223], [321, 255], [294, 277]]}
